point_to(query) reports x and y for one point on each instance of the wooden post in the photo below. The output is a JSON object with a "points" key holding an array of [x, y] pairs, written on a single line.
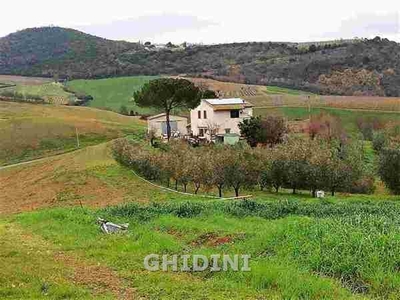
{"points": [[77, 137]]}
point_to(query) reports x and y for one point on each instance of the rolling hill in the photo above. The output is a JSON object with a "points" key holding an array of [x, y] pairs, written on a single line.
{"points": [[53, 51], [29, 131], [355, 67]]}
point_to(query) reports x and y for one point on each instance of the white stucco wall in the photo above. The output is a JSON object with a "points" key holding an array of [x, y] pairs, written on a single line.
{"points": [[197, 123], [217, 119], [156, 124]]}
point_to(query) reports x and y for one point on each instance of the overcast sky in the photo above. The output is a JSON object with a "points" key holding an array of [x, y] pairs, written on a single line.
{"points": [[210, 21]]}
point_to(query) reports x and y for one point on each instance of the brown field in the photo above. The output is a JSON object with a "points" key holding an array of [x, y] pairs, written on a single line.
{"points": [[89, 176], [56, 181], [383, 104], [24, 80]]}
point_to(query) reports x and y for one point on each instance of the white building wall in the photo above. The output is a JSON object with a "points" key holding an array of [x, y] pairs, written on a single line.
{"points": [[156, 124], [197, 123], [221, 120]]}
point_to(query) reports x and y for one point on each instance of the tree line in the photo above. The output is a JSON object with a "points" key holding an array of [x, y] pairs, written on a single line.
{"points": [[296, 164]]}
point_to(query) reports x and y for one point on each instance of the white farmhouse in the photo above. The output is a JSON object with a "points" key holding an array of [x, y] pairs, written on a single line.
{"points": [[219, 117]]}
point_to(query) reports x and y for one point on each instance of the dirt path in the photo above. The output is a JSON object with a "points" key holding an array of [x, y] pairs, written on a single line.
{"points": [[59, 266]]}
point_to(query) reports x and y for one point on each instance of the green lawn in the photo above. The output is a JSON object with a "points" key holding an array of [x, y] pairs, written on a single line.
{"points": [[112, 93]]}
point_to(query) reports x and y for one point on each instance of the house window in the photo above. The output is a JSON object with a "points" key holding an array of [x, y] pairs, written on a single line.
{"points": [[227, 130], [234, 114], [199, 114], [201, 132], [205, 114]]}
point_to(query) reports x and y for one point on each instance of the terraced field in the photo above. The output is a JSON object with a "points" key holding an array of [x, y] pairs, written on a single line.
{"points": [[52, 93], [26, 89]]}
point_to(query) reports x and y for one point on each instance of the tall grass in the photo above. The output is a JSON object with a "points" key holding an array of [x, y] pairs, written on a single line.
{"points": [[270, 210], [299, 249], [356, 243]]}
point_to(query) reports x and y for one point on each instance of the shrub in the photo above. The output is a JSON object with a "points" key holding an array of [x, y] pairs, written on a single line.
{"points": [[270, 130], [379, 141], [123, 110], [367, 126], [365, 185], [188, 210], [389, 169]]}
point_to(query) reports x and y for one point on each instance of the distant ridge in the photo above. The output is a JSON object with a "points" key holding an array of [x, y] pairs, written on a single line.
{"points": [[343, 67], [50, 51]]}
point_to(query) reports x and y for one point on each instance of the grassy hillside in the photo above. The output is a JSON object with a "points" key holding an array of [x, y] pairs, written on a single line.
{"points": [[112, 93], [28, 131], [299, 247]]}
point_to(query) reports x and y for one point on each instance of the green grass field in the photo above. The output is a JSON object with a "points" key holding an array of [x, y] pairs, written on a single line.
{"points": [[112, 93]]}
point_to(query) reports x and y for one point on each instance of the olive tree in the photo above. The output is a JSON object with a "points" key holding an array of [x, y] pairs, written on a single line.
{"points": [[200, 168], [219, 162], [296, 153], [238, 171]]}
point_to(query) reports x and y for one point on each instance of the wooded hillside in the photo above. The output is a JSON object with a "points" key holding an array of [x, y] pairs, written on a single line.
{"points": [[359, 67]]}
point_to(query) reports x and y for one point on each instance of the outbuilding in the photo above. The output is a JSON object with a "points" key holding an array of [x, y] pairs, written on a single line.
{"points": [[158, 124]]}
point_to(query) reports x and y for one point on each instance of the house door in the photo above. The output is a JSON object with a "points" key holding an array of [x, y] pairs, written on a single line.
{"points": [[173, 124]]}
